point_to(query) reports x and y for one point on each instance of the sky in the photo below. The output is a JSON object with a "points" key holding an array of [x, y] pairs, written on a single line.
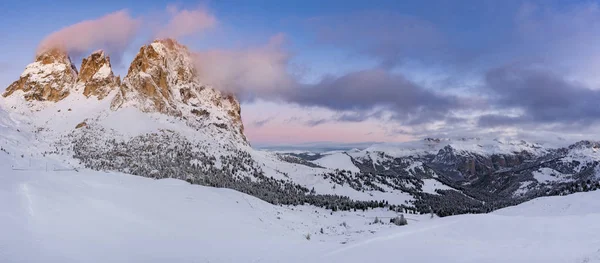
{"points": [[353, 71]]}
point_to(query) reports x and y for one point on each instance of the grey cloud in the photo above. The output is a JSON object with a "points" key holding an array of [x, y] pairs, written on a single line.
{"points": [[292, 119], [565, 41], [316, 122], [494, 120], [397, 131], [370, 89], [543, 96], [260, 123], [357, 116], [264, 71], [353, 117]]}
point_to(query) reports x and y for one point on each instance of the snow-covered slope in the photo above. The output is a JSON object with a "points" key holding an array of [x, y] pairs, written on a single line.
{"points": [[68, 216], [544, 175], [430, 186], [98, 217], [337, 161], [88, 216], [552, 229], [578, 204]]}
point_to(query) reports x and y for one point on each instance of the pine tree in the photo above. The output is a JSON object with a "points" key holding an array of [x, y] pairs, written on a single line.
{"points": [[403, 220], [399, 221]]}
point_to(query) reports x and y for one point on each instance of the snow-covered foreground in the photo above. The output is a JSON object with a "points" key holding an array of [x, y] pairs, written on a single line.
{"points": [[109, 217], [551, 229]]}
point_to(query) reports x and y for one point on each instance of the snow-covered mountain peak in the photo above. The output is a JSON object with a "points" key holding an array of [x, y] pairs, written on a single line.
{"points": [[586, 153], [162, 78], [169, 44], [586, 144], [155, 77], [96, 65], [54, 55], [49, 78], [161, 83], [96, 76]]}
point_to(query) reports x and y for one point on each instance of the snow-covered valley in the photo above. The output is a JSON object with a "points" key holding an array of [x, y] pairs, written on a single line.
{"points": [[88, 216]]}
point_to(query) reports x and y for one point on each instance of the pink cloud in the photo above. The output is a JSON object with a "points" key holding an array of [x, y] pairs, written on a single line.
{"points": [[286, 123], [186, 22], [257, 71], [113, 31], [281, 132]]}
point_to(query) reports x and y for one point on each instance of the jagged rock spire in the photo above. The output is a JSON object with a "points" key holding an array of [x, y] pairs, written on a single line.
{"points": [[52, 77], [156, 71], [162, 78], [96, 75], [49, 78]]}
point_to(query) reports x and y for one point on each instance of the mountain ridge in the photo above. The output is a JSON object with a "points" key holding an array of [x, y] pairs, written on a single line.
{"points": [[161, 79]]}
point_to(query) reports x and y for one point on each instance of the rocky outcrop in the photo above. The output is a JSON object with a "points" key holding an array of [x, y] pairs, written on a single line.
{"points": [[96, 76], [162, 78], [53, 77], [158, 72], [49, 78], [81, 125], [585, 144], [236, 112]]}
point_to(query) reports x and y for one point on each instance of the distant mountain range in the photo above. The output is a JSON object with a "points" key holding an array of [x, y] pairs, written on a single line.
{"points": [[477, 175], [315, 147]]}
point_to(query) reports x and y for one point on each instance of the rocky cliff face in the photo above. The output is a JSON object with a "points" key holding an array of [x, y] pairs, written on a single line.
{"points": [[162, 78], [96, 76], [53, 77], [49, 78], [149, 82]]}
